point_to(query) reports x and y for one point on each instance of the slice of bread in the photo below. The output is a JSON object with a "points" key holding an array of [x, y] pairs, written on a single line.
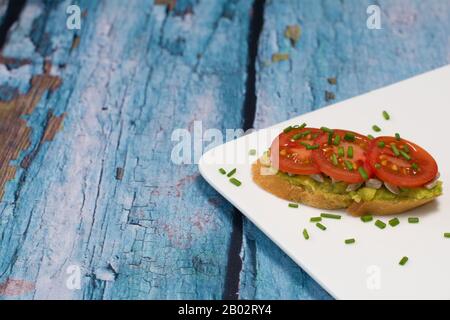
{"points": [[282, 188]]}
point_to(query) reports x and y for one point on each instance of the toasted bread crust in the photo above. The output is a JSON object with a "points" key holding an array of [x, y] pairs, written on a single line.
{"points": [[283, 189]]}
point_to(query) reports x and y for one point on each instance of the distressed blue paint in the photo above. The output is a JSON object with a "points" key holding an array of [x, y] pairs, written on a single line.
{"points": [[335, 43], [137, 75]]}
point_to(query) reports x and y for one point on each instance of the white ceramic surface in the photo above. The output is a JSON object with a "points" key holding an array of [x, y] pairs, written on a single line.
{"points": [[369, 269]]}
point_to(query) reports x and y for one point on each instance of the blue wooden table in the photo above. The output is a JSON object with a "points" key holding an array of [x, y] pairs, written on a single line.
{"points": [[92, 207]]}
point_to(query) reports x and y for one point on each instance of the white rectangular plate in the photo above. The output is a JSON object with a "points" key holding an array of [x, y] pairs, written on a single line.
{"points": [[368, 269]]}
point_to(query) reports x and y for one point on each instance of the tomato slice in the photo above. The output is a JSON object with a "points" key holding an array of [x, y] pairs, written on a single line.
{"points": [[405, 165], [289, 152], [336, 161]]}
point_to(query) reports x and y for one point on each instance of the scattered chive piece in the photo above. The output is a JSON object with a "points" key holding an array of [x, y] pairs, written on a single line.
{"points": [[376, 128], [315, 219], [377, 166], [447, 235], [394, 222], [380, 224], [405, 155], [366, 218], [397, 136], [252, 152], [222, 171], [334, 159], [305, 234], [403, 261], [371, 137], [349, 136], [293, 205], [312, 147], [286, 130], [386, 115], [296, 136], [394, 149], [321, 226], [302, 125], [341, 152], [231, 172], [415, 166], [327, 130], [236, 182], [349, 165], [405, 147], [381, 144], [413, 220], [330, 216], [363, 173], [337, 140], [350, 152], [350, 241], [330, 138]]}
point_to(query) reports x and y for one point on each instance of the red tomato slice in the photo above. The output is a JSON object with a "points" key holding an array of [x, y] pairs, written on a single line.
{"points": [[411, 166], [337, 166], [289, 153]]}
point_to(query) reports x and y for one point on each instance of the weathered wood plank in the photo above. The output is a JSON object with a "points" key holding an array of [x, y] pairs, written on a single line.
{"points": [[335, 43], [133, 73]]}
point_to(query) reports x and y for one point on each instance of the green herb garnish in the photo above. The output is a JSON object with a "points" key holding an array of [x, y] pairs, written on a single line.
{"points": [[222, 171], [394, 149], [403, 261], [236, 182], [413, 220], [381, 144], [231, 172], [321, 226], [349, 136], [363, 173], [386, 115], [330, 216], [305, 234], [350, 241], [376, 128], [350, 152], [394, 222], [380, 224], [293, 205], [315, 219], [349, 165], [366, 218]]}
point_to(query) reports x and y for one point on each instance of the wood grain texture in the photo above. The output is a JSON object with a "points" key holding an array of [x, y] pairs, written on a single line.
{"points": [[133, 73], [334, 42]]}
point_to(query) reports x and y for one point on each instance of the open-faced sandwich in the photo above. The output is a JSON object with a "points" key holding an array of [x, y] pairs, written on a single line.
{"points": [[335, 169]]}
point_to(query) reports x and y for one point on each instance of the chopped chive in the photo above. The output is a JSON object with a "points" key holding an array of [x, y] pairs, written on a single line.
{"points": [[305, 234], [405, 148], [415, 166], [302, 125], [341, 152], [330, 216], [231, 172], [447, 235], [327, 130], [394, 149], [330, 138], [366, 218], [349, 136], [405, 155], [381, 144], [403, 261], [321, 226], [394, 222], [397, 136], [376, 128], [363, 173], [252, 152], [312, 147], [371, 137], [386, 115], [337, 140], [413, 220], [222, 171], [380, 224], [236, 182], [315, 219], [293, 205], [377, 166], [350, 152], [286, 130], [350, 241], [349, 165], [334, 159], [296, 136]]}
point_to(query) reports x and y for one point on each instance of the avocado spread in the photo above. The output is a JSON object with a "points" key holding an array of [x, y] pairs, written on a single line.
{"points": [[363, 193]]}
